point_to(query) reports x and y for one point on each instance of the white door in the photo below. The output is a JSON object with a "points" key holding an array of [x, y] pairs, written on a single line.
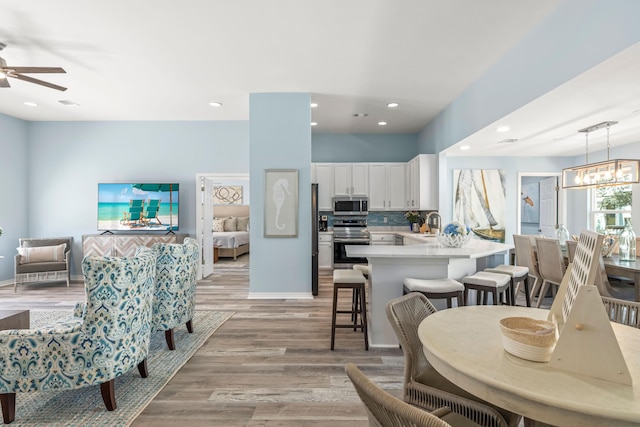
{"points": [[548, 206], [207, 227]]}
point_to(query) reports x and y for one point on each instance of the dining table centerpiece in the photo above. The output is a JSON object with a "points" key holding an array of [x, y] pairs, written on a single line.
{"points": [[454, 235]]}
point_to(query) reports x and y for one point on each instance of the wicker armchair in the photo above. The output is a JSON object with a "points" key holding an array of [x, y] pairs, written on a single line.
{"points": [[622, 311], [385, 410], [423, 385]]}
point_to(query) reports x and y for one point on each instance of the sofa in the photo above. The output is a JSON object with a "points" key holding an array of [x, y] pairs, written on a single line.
{"points": [[42, 259]]}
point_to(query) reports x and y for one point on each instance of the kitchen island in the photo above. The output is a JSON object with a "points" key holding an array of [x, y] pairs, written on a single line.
{"points": [[390, 265]]}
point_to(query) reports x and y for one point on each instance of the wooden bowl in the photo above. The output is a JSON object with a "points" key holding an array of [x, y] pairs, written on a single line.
{"points": [[527, 338]]}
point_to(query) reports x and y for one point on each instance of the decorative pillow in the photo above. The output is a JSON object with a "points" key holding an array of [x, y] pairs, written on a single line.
{"points": [[242, 224], [230, 223], [218, 224], [42, 254]]}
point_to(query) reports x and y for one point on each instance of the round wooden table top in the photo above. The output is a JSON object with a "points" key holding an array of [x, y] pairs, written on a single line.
{"points": [[465, 345]]}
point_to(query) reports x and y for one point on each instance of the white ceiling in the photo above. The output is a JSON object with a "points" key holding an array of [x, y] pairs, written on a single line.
{"points": [[161, 60]]}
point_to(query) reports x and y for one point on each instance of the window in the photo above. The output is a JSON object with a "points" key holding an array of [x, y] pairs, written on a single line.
{"points": [[611, 205]]}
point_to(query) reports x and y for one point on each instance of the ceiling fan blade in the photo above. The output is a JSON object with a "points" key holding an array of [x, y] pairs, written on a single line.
{"points": [[38, 82], [4, 82], [29, 70]]}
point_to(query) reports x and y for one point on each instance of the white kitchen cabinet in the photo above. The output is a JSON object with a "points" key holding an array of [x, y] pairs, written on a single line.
{"points": [[407, 241], [323, 174], [422, 183], [383, 239], [325, 251], [351, 179], [387, 186]]}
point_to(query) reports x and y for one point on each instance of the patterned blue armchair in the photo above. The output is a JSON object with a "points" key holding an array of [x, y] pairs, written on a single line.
{"points": [[110, 338], [175, 292]]}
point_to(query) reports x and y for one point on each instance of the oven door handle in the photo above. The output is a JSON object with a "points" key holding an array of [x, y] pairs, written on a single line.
{"points": [[338, 240]]}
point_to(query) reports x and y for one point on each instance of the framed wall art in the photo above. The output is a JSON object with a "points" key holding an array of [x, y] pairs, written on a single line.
{"points": [[281, 203]]}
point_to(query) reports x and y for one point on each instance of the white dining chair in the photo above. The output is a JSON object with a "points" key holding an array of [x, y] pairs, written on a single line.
{"points": [[550, 265], [525, 257]]}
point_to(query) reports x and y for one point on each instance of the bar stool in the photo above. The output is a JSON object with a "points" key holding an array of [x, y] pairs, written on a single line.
{"points": [[354, 280], [366, 271], [364, 268], [518, 274], [436, 289], [484, 283]]}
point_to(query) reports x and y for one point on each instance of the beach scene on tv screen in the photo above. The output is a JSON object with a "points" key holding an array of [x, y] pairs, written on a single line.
{"points": [[149, 206]]}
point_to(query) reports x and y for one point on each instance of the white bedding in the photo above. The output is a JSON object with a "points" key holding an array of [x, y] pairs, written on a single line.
{"points": [[230, 239]]}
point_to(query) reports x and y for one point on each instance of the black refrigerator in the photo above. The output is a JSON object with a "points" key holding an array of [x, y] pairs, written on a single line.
{"points": [[315, 224]]}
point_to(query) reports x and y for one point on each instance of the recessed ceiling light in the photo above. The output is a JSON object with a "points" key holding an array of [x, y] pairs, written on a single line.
{"points": [[68, 103], [30, 104], [314, 123], [382, 123], [215, 104], [392, 104], [503, 129], [314, 104], [465, 147]]}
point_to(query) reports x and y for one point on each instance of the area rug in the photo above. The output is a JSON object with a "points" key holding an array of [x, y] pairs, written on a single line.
{"points": [[84, 407]]}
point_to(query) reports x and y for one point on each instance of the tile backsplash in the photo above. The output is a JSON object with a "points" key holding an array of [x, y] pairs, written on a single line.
{"points": [[376, 219]]}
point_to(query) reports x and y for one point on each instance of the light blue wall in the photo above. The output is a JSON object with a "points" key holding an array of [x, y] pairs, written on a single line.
{"points": [[280, 138], [66, 161], [14, 176], [576, 36], [330, 147]]}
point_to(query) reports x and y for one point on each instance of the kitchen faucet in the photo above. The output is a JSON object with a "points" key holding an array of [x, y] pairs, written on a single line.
{"points": [[434, 225]]}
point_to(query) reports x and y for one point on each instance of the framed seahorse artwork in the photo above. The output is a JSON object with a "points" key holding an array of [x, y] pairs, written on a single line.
{"points": [[281, 203]]}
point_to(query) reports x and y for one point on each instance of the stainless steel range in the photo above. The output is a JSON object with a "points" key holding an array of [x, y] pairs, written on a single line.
{"points": [[349, 231]]}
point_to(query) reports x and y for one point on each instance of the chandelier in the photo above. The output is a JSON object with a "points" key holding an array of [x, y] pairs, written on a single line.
{"points": [[610, 172]]}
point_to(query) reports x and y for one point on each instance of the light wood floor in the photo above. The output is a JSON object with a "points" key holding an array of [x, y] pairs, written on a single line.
{"points": [[269, 365]]}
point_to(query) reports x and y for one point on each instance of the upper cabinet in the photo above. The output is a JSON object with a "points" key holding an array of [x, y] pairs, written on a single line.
{"points": [[351, 179], [395, 186], [422, 183], [322, 173], [387, 186]]}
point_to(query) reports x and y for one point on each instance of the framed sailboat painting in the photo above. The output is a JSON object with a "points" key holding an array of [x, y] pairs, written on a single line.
{"points": [[479, 202], [281, 203]]}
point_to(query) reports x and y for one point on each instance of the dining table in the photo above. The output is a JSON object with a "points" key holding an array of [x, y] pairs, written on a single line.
{"points": [[628, 269], [464, 344]]}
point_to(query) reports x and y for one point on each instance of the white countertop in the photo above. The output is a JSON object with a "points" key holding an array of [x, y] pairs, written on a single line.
{"points": [[475, 248]]}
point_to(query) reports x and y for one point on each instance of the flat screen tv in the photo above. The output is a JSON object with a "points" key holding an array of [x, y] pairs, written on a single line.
{"points": [[137, 207]]}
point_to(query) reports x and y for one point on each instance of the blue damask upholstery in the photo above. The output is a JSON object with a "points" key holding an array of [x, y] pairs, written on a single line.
{"points": [[111, 336], [175, 291]]}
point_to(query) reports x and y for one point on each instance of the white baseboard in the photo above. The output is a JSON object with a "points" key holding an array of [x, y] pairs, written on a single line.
{"points": [[280, 295]]}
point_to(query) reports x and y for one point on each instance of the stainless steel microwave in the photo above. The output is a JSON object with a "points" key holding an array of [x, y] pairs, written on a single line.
{"points": [[350, 205]]}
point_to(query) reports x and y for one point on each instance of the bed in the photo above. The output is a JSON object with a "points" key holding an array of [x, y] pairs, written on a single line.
{"points": [[231, 230]]}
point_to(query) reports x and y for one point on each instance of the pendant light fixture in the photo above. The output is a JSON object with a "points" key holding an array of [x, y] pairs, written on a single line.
{"points": [[610, 172]]}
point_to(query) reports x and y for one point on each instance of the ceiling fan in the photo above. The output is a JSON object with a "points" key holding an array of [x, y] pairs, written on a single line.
{"points": [[17, 73]]}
